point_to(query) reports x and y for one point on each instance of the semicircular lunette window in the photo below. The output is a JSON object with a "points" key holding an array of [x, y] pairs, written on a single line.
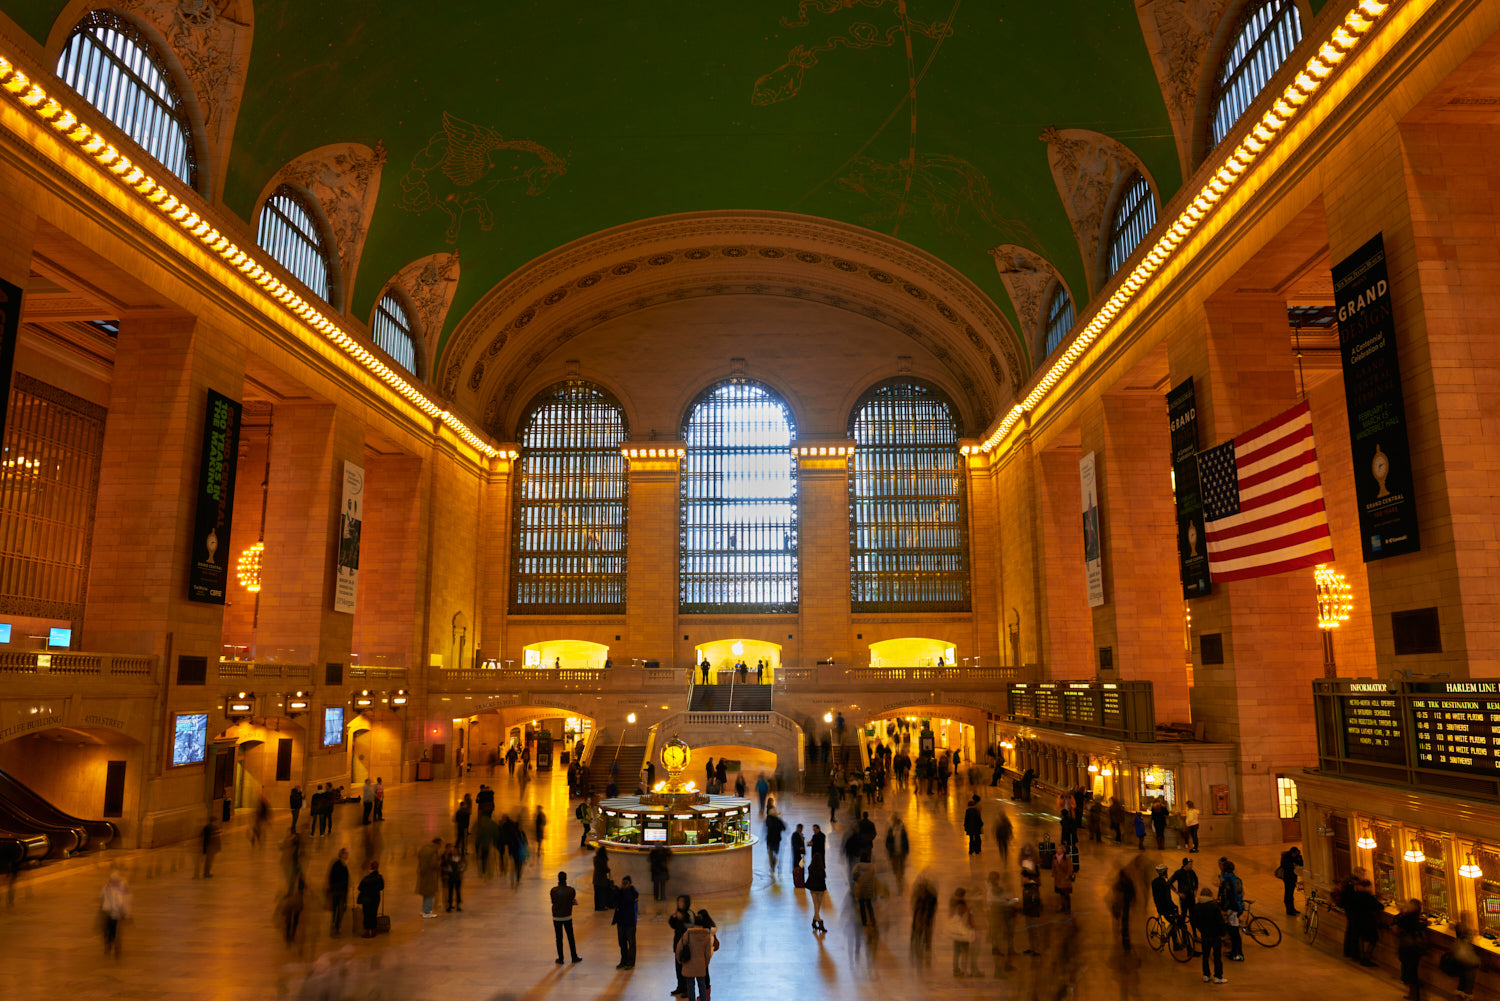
{"points": [[571, 493], [290, 234], [907, 542], [113, 67], [1267, 33], [1134, 216], [391, 328], [738, 545]]}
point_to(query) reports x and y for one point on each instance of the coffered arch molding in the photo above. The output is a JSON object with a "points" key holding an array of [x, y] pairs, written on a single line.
{"points": [[532, 315]]}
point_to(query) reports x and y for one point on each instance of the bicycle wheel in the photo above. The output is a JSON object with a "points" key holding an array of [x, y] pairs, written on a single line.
{"points": [[1264, 931], [1154, 936], [1310, 924], [1180, 943]]}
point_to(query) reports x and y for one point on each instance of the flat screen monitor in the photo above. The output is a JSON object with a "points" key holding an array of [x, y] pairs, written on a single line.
{"points": [[189, 738], [652, 835], [59, 637], [4, 632], [333, 727]]}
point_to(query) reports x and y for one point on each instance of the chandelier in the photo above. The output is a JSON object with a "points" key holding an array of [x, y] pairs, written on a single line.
{"points": [[1335, 597], [248, 569]]}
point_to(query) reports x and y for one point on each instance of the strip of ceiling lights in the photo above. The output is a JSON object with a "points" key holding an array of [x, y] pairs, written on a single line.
{"points": [[127, 174], [1339, 46]]}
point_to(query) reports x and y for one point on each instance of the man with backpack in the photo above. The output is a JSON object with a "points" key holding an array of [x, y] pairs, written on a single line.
{"points": [[585, 814]]}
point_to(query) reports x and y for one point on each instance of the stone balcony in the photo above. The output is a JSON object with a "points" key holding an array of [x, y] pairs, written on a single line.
{"points": [[75, 668]]}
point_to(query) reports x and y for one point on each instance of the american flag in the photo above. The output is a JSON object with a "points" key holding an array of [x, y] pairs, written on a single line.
{"points": [[1263, 501]]}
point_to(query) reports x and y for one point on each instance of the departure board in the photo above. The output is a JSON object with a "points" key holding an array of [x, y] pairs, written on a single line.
{"points": [[1081, 703], [1458, 730], [1022, 701], [1373, 728], [1049, 704], [1114, 711], [1122, 710]]}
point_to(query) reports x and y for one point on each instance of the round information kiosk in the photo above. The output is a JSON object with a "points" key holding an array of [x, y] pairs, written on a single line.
{"points": [[709, 836]]}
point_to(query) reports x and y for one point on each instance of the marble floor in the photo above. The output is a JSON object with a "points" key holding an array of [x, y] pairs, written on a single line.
{"points": [[191, 938]]}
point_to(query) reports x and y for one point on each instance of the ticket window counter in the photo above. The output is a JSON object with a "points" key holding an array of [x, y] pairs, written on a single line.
{"points": [[1436, 899], [1158, 783], [1341, 845], [1489, 907], [1383, 862]]}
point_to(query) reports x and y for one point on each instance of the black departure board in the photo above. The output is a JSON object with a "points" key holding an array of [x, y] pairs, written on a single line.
{"points": [[1114, 710], [1119, 709], [1049, 704], [1022, 702], [1373, 728], [1081, 704], [1457, 732]]}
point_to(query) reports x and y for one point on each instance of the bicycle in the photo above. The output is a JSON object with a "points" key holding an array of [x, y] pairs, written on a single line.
{"points": [[1315, 902], [1264, 931], [1172, 936]]}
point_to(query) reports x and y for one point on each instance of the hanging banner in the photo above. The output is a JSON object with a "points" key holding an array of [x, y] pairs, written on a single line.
{"points": [[1093, 564], [1192, 548], [1377, 414], [208, 574], [351, 515], [10, 328]]}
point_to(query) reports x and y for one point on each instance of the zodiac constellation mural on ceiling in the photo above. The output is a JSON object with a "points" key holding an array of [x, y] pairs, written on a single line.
{"points": [[461, 165], [952, 191]]}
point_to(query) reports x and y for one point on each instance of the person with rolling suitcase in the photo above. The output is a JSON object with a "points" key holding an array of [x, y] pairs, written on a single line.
{"points": [[369, 896]]}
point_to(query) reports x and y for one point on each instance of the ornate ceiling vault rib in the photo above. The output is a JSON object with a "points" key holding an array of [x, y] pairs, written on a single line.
{"points": [[604, 276]]}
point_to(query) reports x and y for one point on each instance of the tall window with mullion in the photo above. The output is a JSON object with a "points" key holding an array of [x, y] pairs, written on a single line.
{"points": [[571, 493], [738, 544], [290, 231], [1267, 32], [391, 327], [1135, 214], [908, 543], [113, 66]]}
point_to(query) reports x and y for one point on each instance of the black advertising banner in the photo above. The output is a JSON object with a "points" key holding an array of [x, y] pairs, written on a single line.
{"points": [[10, 327], [1377, 416], [208, 573], [1192, 546]]}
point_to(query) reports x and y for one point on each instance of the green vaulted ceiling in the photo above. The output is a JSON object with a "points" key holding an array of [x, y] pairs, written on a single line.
{"points": [[580, 116]]}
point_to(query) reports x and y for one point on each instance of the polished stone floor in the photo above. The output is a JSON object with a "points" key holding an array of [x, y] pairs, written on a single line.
{"points": [[192, 938]]}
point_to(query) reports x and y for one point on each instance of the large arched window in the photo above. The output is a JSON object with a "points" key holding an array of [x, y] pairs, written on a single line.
{"points": [[1267, 32], [1135, 214], [391, 327], [739, 502], [570, 504], [1059, 319], [114, 67], [290, 232], [907, 541]]}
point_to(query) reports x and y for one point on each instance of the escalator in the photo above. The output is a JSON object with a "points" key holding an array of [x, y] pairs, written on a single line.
{"points": [[18, 849], [27, 815]]}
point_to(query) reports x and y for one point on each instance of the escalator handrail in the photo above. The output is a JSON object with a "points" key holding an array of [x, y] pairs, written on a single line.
{"points": [[37, 808]]}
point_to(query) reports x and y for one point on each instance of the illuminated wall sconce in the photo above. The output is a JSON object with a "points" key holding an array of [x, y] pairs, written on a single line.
{"points": [[297, 703], [1469, 870], [240, 706], [1415, 853], [1364, 841], [1094, 768], [248, 570], [1107, 772], [400, 698], [363, 700]]}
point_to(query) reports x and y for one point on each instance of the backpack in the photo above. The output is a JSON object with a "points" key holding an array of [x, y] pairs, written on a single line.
{"points": [[581, 811], [687, 947]]}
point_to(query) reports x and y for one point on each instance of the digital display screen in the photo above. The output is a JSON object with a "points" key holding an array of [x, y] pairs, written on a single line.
{"points": [[1373, 729], [59, 637], [189, 739], [1082, 707], [1457, 733], [4, 632], [1049, 704], [1114, 712], [333, 727], [654, 834]]}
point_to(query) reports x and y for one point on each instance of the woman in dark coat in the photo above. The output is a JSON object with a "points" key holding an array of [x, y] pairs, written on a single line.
{"points": [[368, 897], [601, 880]]}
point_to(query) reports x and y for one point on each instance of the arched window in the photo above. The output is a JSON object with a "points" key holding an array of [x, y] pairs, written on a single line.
{"points": [[1267, 32], [739, 503], [570, 503], [1134, 216], [1059, 318], [288, 231], [907, 540], [391, 327], [113, 67]]}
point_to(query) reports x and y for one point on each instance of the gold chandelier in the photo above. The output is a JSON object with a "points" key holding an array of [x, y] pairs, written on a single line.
{"points": [[1335, 597], [248, 568]]}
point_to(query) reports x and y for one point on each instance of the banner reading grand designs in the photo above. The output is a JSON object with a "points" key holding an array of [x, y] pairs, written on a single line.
{"points": [[1192, 549], [208, 573], [1092, 544], [1377, 415], [351, 516]]}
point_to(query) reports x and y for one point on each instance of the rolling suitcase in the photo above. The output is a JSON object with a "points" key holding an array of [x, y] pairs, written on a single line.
{"points": [[798, 876], [382, 920]]}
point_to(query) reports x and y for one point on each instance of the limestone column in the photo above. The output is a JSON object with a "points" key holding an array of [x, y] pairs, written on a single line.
{"points": [[1259, 698], [494, 556], [651, 594], [388, 602], [1141, 620], [823, 533], [985, 561], [1069, 628]]}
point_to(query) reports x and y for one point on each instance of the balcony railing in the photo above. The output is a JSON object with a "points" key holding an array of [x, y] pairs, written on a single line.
{"points": [[250, 669], [76, 665], [657, 678], [378, 673]]}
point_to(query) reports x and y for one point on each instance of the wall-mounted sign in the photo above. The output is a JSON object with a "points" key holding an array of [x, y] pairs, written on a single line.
{"points": [[1377, 412], [10, 326], [208, 571], [1192, 540], [1092, 544], [351, 518]]}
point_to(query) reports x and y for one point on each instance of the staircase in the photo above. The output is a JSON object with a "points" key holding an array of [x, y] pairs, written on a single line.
{"points": [[751, 699], [712, 699], [815, 779], [631, 758]]}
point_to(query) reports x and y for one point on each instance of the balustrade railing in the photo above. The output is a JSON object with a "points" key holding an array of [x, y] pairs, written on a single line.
{"points": [[378, 673], [249, 669], [78, 665]]}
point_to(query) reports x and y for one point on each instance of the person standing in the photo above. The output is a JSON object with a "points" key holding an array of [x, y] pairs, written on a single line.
{"points": [[1185, 882], [762, 789], [1190, 825], [211, 846], [371, 887], [541, 826], [338, 890], [1232, 903], [1140, 830], [114, 906], [695, 950], [379, 799], [1116, 819], [775, 827], [680, 921], [833, 804], [817, 887], [585, 814], [294, 800], [660, 861], [453, 867], [1062, 879], [461, 818], [366, 801], [1122, 899], [962, 932], [564, 898], [1291, 861], [1159, 813], [1411, 926], [1003, 834], [1209, 921], [974, 825], [865, 888], [429, 866], [602, 882], [799, 847], [626, 912]]}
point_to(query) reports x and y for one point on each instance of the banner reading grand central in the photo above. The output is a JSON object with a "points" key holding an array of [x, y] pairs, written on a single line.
{"points": [[1377, 413]]}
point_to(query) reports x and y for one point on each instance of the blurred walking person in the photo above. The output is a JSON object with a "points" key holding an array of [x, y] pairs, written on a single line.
{"points": [[115, 901], [211, 846], [338, 890], [898, 847], [680, 921], [429, 866], [924, 901], [962, 933]]}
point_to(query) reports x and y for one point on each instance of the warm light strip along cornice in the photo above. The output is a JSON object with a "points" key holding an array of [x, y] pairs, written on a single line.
{"points": [[1340, 44], [97, 147]]}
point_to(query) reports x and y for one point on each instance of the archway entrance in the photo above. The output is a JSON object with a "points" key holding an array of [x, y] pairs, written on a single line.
{"points": [[90, 773], [561, 733], [565, 654], [723, 655], [913, 651], [374, 742]]}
